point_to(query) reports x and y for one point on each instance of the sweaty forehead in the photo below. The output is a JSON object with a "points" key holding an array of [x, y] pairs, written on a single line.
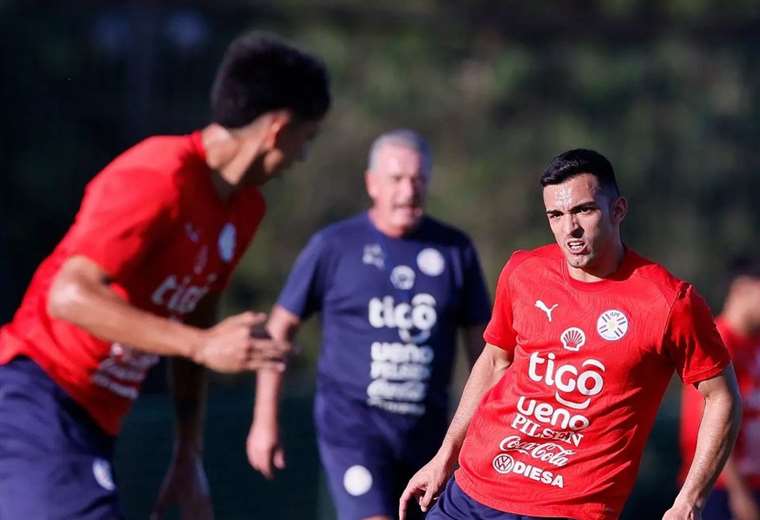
{"points": [[568, 194]]}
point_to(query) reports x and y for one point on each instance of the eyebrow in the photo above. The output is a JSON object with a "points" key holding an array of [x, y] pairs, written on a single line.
{"points": [[582, 205]]}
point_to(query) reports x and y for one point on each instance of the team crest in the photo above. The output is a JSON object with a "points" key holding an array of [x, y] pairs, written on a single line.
{"points": [[402, 277], [612, 325], [573, 339], [373, 255], [227, 240], [430, 262]]}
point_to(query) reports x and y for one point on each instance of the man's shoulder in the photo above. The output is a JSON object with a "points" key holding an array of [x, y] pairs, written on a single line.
{"points": [[342, 232], [348, 226], [157, 151], [443, 231], [166, 156], [648, 272], [546, 255]]}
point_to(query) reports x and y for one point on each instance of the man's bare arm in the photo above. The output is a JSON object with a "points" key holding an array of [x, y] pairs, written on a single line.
{"points": [[81, 294], [715, 440], [265, 452]]}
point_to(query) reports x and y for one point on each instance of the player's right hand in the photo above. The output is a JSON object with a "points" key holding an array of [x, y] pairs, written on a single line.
{"points": [[426, 485], [264, 450], [232, 346]]}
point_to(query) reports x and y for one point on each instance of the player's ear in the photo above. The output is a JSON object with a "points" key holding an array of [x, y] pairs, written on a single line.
{"points": [[278, 121], [370, 181], [619, 209]]}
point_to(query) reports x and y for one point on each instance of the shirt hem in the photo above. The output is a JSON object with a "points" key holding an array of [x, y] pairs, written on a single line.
{"points": [[469, 488]]}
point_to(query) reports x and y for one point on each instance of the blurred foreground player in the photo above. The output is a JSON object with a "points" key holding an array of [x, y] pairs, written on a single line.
{"points": [[737, 492], [393, 287], [583, 340], [139, 275]]}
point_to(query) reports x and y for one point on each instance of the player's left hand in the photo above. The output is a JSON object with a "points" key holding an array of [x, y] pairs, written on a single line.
{"points": [[682, 511], [264, 449], [186, 486]]}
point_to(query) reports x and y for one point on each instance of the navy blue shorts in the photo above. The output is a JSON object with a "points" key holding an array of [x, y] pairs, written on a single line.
{"points": [[716, 507], [55, 462], [369, 455], [366, 481], [455, 504]]}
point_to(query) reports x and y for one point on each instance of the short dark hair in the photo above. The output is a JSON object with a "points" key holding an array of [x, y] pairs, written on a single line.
{"points": [[578, 161], [261, 73]]}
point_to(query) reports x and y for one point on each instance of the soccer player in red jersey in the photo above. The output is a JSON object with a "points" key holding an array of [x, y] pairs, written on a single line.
{"points": [[583, 339], [737, 491], [139, 275]]}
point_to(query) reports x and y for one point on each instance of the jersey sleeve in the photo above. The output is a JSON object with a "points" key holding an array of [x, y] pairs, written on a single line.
{"points": [[122, 214], [476, 303], [305, 287], [692, 340], [499, 331]]}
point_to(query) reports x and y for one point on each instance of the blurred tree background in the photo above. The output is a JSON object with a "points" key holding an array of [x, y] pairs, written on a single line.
{"points": [[667, 90]]}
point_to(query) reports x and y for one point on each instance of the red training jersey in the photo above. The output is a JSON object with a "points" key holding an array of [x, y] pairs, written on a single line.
{"points": [[153, 221], [745, 352], [562, 433]]}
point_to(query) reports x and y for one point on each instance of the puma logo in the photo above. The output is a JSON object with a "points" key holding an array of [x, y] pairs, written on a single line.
{"points": [[548, 310]]}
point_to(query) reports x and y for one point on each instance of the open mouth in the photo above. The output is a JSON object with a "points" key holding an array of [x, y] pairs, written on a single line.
{"points": [[407, 208], [576, 247]]}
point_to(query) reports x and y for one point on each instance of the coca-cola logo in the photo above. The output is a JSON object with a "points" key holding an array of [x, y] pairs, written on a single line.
{"points": [[549, 452]]}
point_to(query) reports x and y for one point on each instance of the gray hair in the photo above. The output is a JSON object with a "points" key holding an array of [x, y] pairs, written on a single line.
{"points": [[406, 138]]}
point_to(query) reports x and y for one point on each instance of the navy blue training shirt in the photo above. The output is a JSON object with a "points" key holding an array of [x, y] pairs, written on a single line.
{"points": [[390, 309]]}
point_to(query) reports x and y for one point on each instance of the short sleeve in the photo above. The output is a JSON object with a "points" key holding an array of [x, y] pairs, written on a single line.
{"points": [[304, 290], [476, 304], [122, 214], [499, 331], [691, 339]]}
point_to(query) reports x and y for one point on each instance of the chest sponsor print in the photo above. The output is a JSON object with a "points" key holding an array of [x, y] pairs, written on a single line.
{"points": [[400, 370], [181, 296], [505, 464], [123, 370], [549, 452], [574, 387], [573, 339]]}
